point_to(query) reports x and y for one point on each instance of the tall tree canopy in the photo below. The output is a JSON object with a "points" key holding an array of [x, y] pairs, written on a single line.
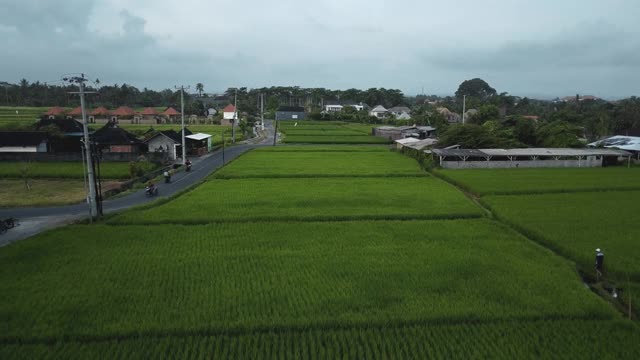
{"points": [[477, 88]]}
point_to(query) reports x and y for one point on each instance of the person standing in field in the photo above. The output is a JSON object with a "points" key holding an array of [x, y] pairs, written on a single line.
{"points": [[599, 262]]}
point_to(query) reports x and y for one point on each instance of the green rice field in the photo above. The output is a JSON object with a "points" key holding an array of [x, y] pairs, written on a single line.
{"points": [[293, 199], [305, 252], [571, 211], [289, 163], [532, 181], [568, 339], [279, 276], [318, 132], [576, 224]]}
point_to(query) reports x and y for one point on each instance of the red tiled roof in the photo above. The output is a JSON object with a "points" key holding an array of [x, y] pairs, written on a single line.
{"points": [[75, 112], [149, 111], [55, 111], [229, 108], [531, 117], [170, 112], [123, 111], [100, 111]]}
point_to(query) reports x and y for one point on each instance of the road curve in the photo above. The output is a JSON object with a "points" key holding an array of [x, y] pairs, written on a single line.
{"points": [[34, 220]]}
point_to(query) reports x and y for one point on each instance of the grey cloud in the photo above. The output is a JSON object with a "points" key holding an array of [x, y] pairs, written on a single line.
{"points": [[131, 56], [600, 45]]}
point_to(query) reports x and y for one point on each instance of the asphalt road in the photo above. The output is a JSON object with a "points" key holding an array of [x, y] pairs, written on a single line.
{"points": [[37, 219]]}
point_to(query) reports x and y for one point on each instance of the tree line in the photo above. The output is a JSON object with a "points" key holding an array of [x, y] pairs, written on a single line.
{"points": [[37, 94]]}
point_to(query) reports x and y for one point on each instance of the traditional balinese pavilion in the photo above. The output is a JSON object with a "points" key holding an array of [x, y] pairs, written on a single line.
{"points": [[55, 112], [100, 115], [149, 116], [527, 158], [125, 114], [75, 113], [171, 115]]}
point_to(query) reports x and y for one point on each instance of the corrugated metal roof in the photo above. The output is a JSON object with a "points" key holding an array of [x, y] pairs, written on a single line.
{"points": [[418, 145], [459, 152], [529, 152], [631, 143], [199, 136], [553, 152], [406, 141]]}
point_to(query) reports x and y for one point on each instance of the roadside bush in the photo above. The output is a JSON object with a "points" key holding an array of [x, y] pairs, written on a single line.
{"points": [[140, 167]]}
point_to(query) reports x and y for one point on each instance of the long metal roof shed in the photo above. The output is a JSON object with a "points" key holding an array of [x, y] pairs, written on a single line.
{"points": [[461, 153], [553, 152], [529, 154]]}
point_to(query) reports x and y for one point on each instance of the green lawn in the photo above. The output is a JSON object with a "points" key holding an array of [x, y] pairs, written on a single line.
{"points": [[62, 170], [266, 163], [531, 181], [310, 199], [44, 192]]}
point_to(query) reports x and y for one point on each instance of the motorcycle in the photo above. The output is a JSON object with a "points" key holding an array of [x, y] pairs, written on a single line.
{"points": [[188, 167], [151, 191], [167, 177], [7, 224]]}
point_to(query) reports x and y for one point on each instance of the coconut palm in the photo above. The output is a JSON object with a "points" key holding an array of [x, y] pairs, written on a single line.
{"points": [[199, 89]]}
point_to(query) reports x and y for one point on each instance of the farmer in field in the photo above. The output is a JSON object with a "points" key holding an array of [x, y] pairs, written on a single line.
{"points": [[599, 262]]}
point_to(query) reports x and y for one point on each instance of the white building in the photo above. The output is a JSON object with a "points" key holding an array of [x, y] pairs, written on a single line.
{"points": [[379, 112], [333, 108], [229, 112]]}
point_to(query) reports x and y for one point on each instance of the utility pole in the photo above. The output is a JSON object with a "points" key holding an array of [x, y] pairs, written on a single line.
{"points": [[184, 147], [262, 111], [235, 117], [464, 105], [93, 206], [275, 132], [222, 147]]}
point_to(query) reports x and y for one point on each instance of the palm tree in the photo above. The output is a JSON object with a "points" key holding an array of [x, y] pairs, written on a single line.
{"points": [[199, 89]]}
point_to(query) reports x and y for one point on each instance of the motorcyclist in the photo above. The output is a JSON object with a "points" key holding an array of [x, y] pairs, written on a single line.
{"points": [[167, 176], [151, 188], [187, 165]]}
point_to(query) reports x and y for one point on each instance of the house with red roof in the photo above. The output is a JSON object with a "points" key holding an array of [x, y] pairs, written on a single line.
{"points": [[150, 116], [229, 114], [75, 113], [55, 112], [171, 115], [126, 114], [99, 115]]}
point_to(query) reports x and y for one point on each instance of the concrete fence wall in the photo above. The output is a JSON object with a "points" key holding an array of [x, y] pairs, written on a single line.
{"points": [[521, 164]]}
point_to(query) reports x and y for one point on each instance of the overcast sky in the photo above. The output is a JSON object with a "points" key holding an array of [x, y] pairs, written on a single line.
{"points": [[536, 48]]}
